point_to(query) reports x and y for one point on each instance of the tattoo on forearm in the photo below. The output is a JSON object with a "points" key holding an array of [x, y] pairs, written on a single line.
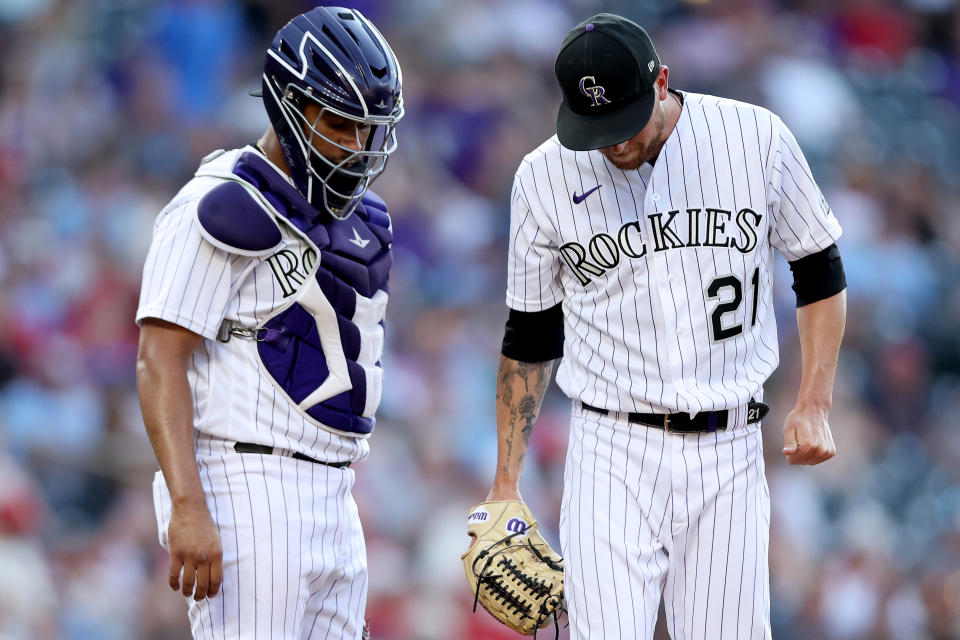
{"points": [[504, 388], [534, 376]]}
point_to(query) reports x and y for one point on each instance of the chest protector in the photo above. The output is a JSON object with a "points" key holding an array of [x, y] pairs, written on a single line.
{"points": [[322, 346]]}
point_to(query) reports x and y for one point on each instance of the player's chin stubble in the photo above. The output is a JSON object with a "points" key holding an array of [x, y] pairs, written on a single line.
{"points": [[644, 153]]}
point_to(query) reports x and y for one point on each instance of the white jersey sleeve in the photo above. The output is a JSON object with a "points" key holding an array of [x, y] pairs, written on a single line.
{"points": [[533, 266], [186, 280], [802, 221]]}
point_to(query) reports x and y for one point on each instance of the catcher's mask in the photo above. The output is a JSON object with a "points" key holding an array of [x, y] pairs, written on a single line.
{"points": [[334, 58]]}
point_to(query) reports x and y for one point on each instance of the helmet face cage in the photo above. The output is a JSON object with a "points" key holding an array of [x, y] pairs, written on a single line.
{"points": [[335, 59], [342, 183]]}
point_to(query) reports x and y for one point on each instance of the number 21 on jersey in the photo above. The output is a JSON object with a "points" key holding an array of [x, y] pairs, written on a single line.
{"points": [[718, 284]]}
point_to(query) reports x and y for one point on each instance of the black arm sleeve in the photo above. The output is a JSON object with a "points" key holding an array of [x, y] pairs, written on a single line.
{"points": [[818, 276], [534, 336]]}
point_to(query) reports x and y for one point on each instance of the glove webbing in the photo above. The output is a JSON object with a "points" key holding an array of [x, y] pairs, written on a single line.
{"points": [[508, 596]]}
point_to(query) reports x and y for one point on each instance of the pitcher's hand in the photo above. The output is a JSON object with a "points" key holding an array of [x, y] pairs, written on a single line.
{"points": [[806, 436]]}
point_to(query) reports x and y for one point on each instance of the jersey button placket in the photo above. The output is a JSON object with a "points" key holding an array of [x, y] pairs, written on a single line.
{"points": [[662, 280]]}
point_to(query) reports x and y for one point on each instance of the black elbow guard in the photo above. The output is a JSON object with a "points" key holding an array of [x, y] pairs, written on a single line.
{"points": [[818, 276], [534, 336]]}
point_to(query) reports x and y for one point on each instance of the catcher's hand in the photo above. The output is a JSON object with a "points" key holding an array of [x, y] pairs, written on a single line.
{"points": [[512, 571]]}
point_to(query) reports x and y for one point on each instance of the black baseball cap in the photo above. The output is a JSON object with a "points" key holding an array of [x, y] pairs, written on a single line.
{"points": [[606, 68]]}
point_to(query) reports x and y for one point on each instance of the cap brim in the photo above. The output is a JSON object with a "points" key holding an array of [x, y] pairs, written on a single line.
{"points": [[585, 132], [256, 93]]}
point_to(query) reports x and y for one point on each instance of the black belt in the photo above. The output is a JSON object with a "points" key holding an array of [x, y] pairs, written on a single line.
{"points": [[249, 447], [703, 422]]}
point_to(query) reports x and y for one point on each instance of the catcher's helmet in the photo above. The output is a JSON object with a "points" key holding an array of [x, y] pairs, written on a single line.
{"points": [[337, 59]]}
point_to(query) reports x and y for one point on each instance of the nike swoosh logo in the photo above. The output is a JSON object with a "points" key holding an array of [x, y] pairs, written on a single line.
{"points": [[578, 199], [357, 240]]}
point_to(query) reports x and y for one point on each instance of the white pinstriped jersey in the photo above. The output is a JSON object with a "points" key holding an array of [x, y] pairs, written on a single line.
{"points": [[191, 283], [665, 272]]}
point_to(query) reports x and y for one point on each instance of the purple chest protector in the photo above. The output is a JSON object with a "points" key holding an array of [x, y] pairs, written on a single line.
{"points": [[322, 348]]}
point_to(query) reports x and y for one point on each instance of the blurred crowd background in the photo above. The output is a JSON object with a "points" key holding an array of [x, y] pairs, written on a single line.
{"points": [[106, 107]]}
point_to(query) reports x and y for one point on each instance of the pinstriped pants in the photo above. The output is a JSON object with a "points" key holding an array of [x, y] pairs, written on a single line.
{"points": [[294, 561], [648, 513]]}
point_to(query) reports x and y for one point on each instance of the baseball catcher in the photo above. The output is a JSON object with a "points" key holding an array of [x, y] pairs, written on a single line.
{"points": [[511, 569], [262, 318]]}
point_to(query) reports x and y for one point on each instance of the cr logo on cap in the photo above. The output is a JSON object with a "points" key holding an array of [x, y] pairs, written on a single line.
{"points": [[594, 91]]}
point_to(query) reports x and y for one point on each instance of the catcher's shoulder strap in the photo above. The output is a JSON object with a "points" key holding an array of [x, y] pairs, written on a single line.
{"points": [[232, 219]]}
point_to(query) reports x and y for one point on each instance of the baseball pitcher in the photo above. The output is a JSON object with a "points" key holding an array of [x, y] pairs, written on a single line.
{"points": [[641, 255]]}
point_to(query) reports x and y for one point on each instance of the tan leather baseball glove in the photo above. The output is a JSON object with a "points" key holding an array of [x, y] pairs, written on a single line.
{"points": [[511, 569]]}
